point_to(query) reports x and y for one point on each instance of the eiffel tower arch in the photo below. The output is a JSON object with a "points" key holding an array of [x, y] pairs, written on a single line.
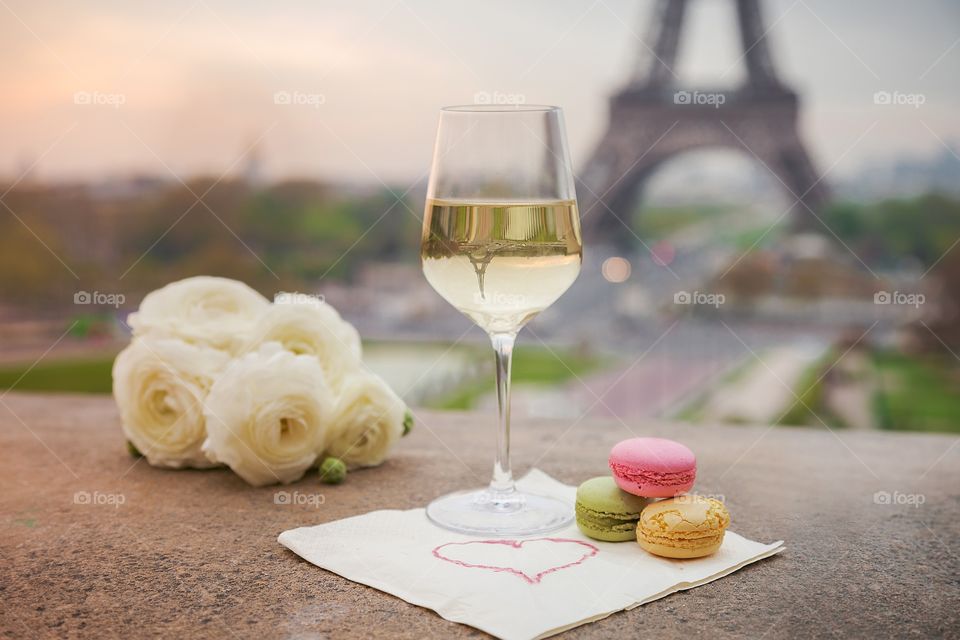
{"points": [[652, 120]]}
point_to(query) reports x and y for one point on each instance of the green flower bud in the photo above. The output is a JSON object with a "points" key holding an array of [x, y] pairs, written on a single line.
{"points": [[407, 422], [332, 470]]}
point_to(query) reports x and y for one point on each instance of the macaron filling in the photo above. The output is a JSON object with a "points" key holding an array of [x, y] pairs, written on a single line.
{"points": [[653, 478], [603, 521], [678, 542]]}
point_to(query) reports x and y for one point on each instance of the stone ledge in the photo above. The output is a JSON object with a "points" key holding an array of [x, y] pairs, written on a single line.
{"points": [[194, 553]]}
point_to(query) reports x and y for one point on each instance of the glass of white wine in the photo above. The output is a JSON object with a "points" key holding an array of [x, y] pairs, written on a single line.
{"points": [[501, 242]]}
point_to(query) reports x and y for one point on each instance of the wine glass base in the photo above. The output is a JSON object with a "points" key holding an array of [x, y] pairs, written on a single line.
{"points": [[482, 512]]}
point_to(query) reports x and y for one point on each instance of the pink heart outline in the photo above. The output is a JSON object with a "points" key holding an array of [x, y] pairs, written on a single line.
{"points": [[517, 544]]}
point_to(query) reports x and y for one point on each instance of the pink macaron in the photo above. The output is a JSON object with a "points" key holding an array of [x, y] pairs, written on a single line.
{"points": [[653, 467]]}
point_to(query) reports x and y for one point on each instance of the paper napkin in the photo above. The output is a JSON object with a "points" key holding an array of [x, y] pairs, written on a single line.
{"points": [[514, 589]]}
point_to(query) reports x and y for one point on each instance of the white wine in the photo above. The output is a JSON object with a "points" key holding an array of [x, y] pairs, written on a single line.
{"points": [[501, 264]]}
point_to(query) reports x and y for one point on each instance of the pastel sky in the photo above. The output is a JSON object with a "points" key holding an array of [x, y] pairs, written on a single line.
{"points": [[197, 78]]}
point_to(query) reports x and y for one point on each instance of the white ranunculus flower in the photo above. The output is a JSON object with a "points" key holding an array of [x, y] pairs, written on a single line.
{"points": [[217, 312], [159, 385], [367, 421], [311, 329], [267, 415]]}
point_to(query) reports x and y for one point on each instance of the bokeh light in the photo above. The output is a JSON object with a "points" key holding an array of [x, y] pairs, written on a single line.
{"points": [[616, 269], [662, 253]]}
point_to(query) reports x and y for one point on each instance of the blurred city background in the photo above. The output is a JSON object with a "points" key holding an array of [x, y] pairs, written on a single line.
{"points": [[808, 275]]}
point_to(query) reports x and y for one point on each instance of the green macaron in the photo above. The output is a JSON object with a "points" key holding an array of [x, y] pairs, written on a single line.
{"points": [[605, 512]]}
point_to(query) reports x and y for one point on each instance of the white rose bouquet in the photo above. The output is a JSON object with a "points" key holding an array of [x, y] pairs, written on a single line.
{"points": [[268, 415], [216, 312], [314, 329], [215, 373], [368, 419], [160, 385]]}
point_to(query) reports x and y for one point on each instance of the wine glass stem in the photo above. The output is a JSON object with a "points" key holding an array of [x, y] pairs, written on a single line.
{"points": [[502, 482]]}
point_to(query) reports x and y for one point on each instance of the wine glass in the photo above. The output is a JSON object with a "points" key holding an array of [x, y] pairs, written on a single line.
{"points": [[501, 242]]}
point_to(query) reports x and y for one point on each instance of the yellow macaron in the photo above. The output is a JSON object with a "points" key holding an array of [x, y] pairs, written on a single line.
{"points": [[683, 527]]}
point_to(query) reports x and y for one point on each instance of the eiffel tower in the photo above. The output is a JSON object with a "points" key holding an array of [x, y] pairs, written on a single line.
{"points": [[652, 120]]}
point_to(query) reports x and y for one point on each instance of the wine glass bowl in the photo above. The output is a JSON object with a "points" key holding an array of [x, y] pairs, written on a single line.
{"points": [[501, 242]]}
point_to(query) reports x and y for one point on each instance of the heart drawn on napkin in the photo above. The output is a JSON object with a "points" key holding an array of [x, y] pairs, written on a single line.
{"points": [[528, 559]]}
